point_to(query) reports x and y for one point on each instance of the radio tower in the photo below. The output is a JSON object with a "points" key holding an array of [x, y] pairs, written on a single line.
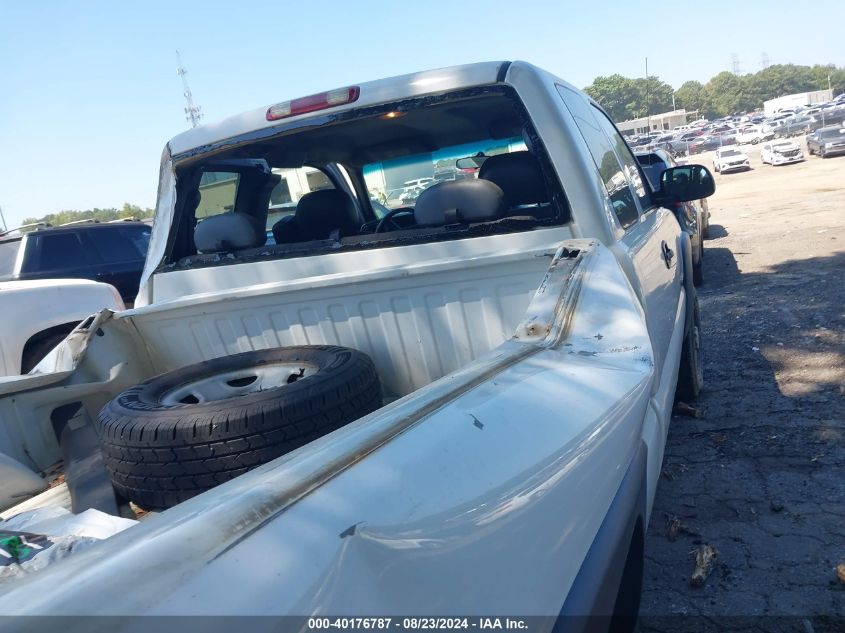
{"points": [[764, 61], [735, 64], [193, 113]]}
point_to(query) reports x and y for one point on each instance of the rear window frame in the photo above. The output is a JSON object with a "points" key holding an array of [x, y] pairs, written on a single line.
{"points": [[190, 159]]}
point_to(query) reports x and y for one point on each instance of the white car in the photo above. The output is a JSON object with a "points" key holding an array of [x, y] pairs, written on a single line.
{"points": [[729, 159], [754, 134], [781, 153]]}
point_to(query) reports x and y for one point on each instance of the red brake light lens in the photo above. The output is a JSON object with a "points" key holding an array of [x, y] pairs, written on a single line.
{"points": [[312, 103]]}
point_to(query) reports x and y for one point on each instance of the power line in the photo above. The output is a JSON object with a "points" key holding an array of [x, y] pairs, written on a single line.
{"points": [[193, 112]]}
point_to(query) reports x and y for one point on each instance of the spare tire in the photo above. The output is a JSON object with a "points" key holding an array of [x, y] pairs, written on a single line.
{"points": [[186, 431]]}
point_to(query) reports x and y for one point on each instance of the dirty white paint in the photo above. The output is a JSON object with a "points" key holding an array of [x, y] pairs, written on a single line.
{"points": [[519, 453]]}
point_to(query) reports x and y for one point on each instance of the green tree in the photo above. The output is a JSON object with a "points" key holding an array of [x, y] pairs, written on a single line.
{"points": [[655, 96], [97, 214], [728, 93], [618, 95], [692, 96], [624, 98]]}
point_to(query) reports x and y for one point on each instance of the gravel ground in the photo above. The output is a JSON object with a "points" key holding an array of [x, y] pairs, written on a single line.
{"points": [[761, 476]]}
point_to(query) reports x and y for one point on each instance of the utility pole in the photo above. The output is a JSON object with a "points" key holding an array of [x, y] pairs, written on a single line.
{"points": [[647, 99], [193, 113]]}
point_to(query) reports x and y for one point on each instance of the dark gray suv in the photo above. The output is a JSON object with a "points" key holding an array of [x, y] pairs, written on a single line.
{"points": [[110, 252]]}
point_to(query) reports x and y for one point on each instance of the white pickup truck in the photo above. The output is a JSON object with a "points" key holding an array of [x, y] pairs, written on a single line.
{"points": [[459, 407]]}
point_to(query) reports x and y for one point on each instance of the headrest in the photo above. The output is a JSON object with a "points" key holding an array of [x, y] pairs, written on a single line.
{"points": [[455, 201], [319, 213], [519, 175], [228, 232], [286, 231]]}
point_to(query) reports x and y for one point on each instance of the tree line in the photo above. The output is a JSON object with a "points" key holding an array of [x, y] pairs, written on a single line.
{"points": [[725, 94], [101, 215]]}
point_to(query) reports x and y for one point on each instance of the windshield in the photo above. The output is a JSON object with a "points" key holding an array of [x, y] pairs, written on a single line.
{"points": [[399, 182], [730, 152]]}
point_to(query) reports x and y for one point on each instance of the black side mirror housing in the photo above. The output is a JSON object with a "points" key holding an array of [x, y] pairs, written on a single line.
{"points": [[471, 162], [686, 183]]}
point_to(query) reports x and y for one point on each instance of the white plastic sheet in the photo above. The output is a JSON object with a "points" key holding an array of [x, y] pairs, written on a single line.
{"points": [[37, 538]]}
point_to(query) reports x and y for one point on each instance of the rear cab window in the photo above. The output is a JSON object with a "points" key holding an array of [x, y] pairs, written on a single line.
{"points": [[398, 183], [218, 191], [384, 162]]}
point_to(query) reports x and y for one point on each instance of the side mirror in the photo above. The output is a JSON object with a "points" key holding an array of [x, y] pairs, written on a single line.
{"points": [[685, 184]]}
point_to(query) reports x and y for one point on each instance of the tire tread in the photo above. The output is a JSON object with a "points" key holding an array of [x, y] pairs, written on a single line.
{"points": [[160, 456]]}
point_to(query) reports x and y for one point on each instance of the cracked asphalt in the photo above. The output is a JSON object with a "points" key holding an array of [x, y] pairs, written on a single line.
{"points": [[761, 476]]}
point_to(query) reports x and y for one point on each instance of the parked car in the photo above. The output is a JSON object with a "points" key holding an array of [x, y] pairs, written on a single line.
{"points": [[467, 415], [675, 148], [721, 128], [693, 216], [110, 252], [730, 159], [794, 126], [710, 143], [754, 134], [690, 136], [728, 137], [827, 141], [781, 153], [828, 118]]}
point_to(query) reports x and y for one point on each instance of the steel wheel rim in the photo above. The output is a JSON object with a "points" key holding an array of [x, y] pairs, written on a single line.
{"points": [[238, 382]]}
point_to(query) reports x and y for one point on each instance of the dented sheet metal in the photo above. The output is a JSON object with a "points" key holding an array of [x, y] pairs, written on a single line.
{"points": [[101, 357], [165, 210]]}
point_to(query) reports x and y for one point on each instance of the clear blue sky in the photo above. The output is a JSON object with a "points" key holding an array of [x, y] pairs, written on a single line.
{"points": [[89, 93]]}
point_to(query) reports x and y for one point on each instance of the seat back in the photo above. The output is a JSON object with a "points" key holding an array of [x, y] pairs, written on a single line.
{"points": [[228, 232], [286, 231], [320, 215], [463, 201], [519, 176]]}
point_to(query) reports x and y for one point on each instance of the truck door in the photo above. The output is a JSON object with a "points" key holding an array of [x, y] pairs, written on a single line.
{"points": [[649, 247], [654, 248]]}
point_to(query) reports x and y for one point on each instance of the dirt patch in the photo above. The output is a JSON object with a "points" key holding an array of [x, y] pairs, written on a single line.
{"points": [[761, 477]]}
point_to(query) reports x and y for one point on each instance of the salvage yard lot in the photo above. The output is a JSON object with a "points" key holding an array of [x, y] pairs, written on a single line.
{"points": [[761, 476]]}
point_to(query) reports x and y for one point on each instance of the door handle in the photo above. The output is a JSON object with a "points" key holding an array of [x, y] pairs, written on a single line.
{"points": [[667, 253]]}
